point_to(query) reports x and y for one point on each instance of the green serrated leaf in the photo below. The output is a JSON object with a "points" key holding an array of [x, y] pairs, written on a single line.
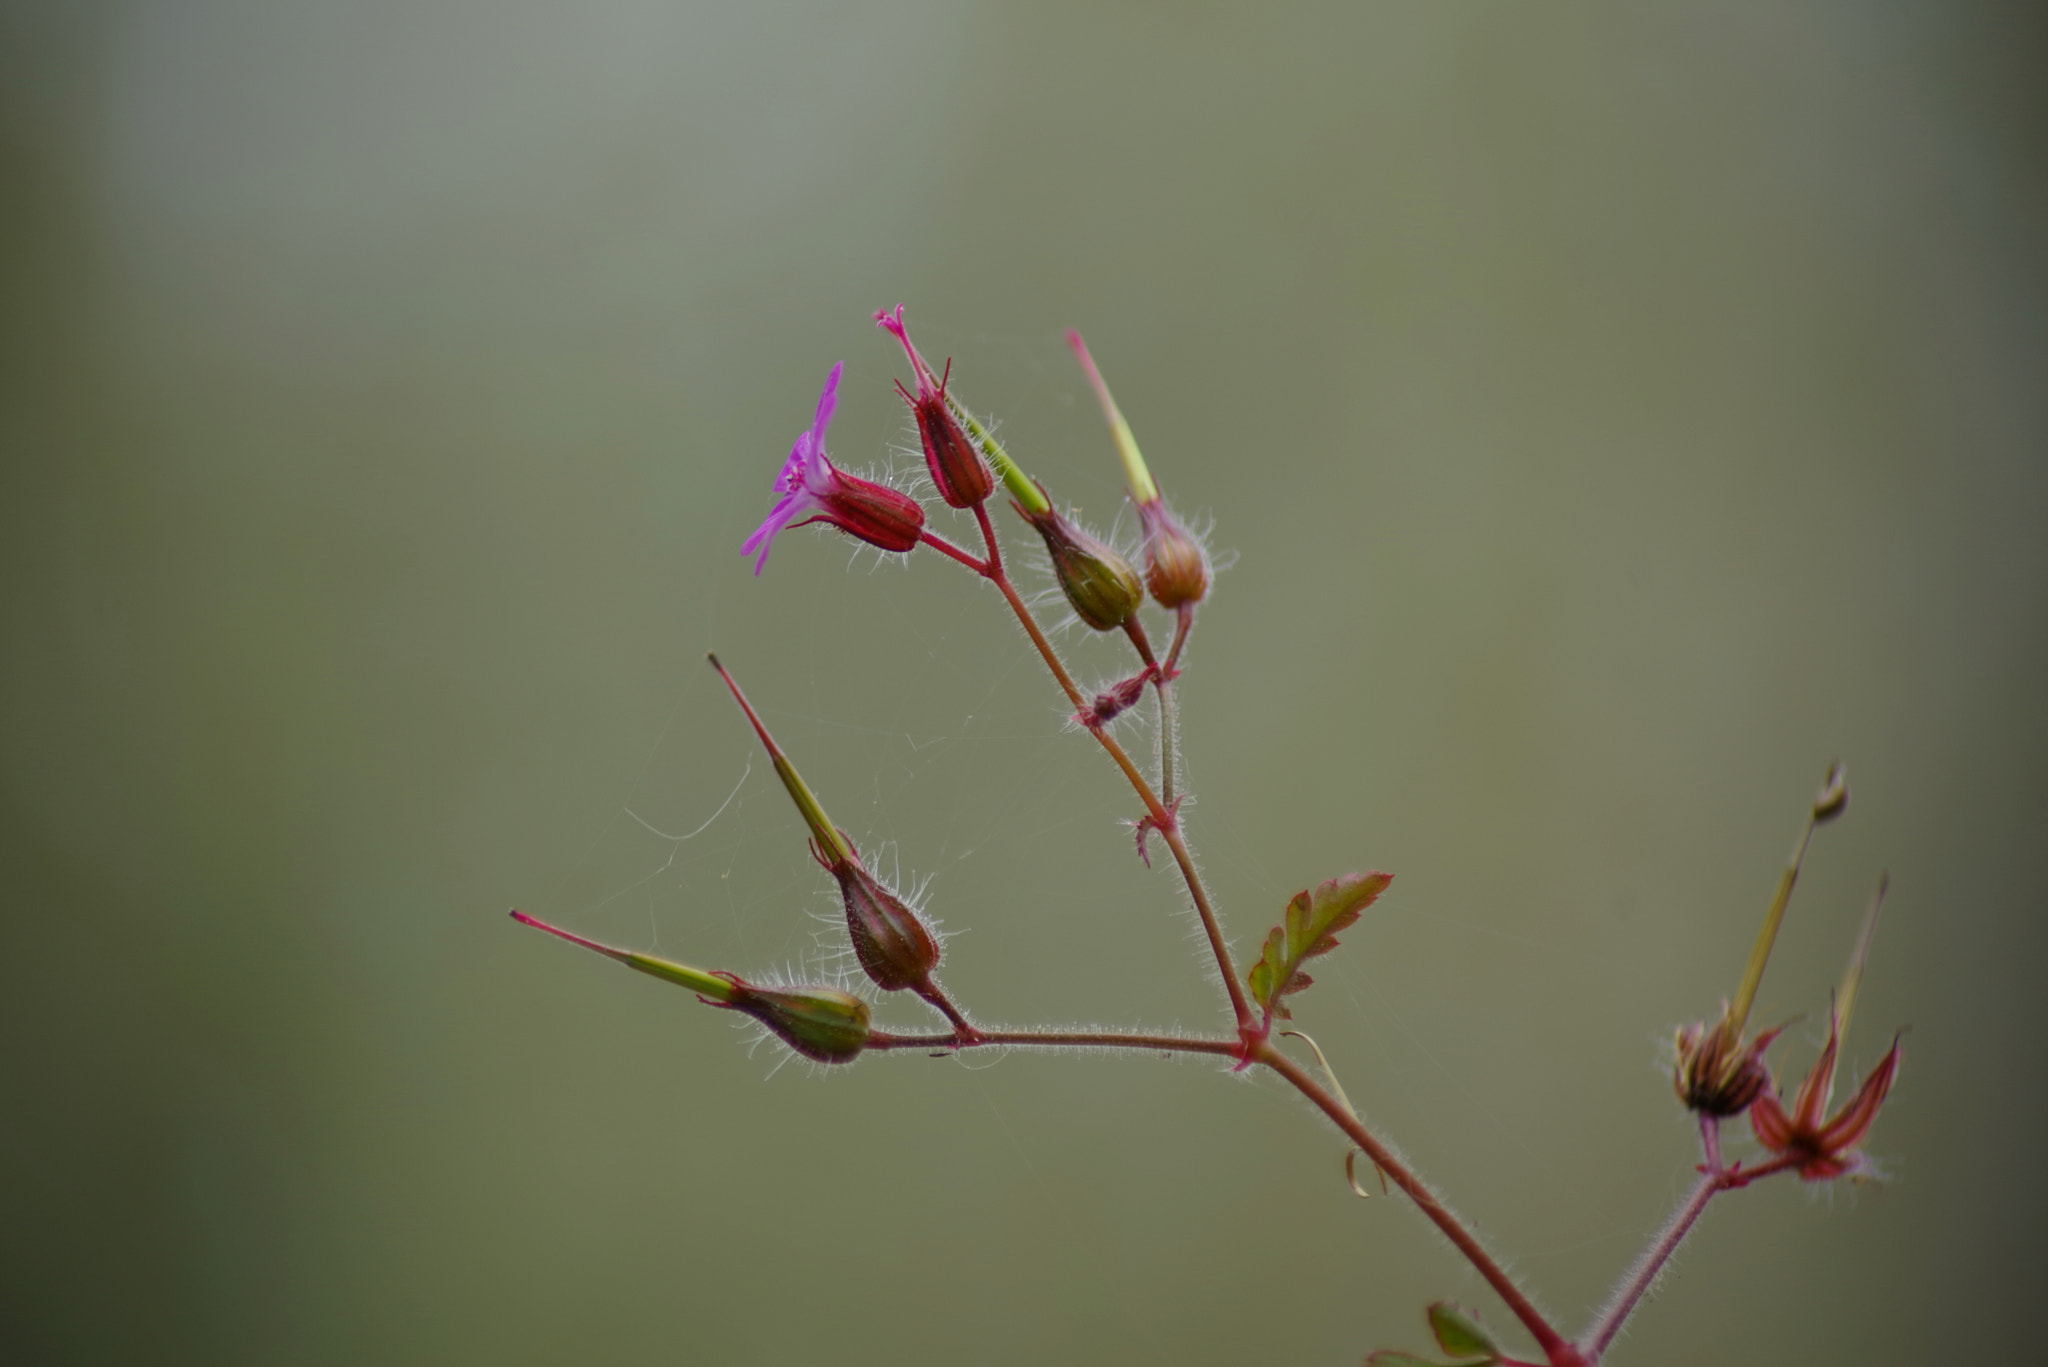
{"points": [[1314, 916], [1391, 1357], [1459, 1334]]}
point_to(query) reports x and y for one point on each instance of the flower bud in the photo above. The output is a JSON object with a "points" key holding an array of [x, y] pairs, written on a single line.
{"points": [[1176, 570], [1100, 585], [821, 1023], [956, 466]]}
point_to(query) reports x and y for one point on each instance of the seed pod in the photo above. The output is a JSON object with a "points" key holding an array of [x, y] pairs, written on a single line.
{"points": [[893, 945], [821, 1023], [1100, 585], [1176, 570]]}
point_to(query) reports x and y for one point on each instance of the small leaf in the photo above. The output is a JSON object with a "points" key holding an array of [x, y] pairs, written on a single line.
{"points": [[1310, 927], [1459, 1334], [1393, 1357]]}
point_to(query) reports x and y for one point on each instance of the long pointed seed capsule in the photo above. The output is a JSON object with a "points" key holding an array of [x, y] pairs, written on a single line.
{"points": [[1845, 999], [1143, 490], [892, 942], [1176, 570], [696, 979], [831, 844], [1827, 805], [821, 1023]]}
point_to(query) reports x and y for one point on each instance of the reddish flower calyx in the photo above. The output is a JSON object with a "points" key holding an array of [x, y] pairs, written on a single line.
{"points": [[1824, 1148], [955, 462]]}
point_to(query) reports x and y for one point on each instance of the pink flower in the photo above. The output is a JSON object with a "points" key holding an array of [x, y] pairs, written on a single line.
{"points": [[812, 489]]}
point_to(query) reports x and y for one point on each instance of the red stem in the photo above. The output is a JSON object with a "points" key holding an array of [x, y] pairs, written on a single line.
{"points": [[1554, 1345], [1163, 819], [1715, 1178], [964, 1032], [945, 547], [1080, 1039]]}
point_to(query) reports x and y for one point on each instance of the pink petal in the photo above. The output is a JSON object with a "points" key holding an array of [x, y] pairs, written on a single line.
{"points": [[787, 509], [827, 401]]}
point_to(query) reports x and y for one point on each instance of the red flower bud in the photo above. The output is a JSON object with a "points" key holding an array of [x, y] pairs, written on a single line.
{"points": [[1100, 585], [956, 466]]}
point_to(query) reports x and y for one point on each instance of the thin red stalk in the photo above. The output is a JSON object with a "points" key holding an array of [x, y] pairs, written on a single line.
{"points": [[945, 547], [1060, 1039], [963, 1029], [1714, 1179], [767, 741], [1162, 817], [1640, 1277], [1186, 624], [1554, 1345]]}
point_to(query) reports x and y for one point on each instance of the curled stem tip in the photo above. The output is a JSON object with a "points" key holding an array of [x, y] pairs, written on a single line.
{"points": [[1143, 490]]}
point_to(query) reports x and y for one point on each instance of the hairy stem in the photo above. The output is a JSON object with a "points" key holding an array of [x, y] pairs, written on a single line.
{"points": [[1164, 692], [935, 996], [1715, 1178], [1554, 1345], [1169, 717], [1061, 1039], [945, 547], [1163, 818]]}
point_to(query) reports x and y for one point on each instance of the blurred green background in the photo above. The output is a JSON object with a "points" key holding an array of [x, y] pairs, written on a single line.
{"points": [[1618, 411]]}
